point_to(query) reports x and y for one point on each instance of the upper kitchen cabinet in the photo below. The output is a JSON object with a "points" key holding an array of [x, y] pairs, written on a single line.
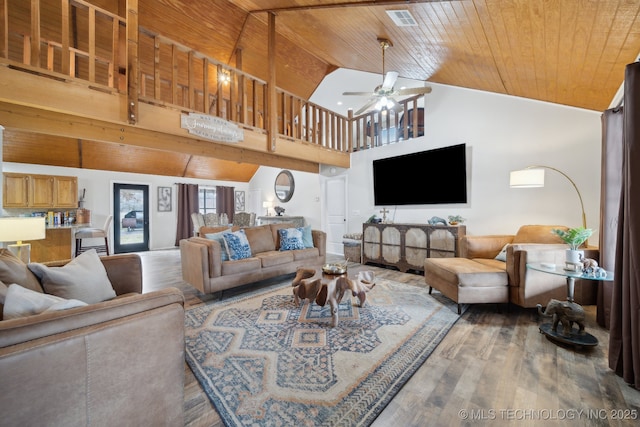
{"points": [[39, 191]]}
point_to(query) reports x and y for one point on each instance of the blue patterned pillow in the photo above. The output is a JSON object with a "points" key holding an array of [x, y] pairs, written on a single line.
{"points": [[223, 247], [237, 245], [290, 239]]}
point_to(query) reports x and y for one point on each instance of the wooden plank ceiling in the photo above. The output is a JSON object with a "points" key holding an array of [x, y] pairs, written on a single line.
{"points": [[570, 52]]}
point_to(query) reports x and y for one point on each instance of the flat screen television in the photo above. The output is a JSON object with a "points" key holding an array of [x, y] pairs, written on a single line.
{"points": [[429, 177]]}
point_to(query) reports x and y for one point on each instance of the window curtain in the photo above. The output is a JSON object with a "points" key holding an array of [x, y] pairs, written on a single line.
{"points": [[225, 201], [187, 204], [624, 337], [611, 183]]}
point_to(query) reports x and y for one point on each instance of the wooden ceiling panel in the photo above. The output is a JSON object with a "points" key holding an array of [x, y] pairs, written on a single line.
{"points": [[32, 148], [127, 158], [209, 168]]}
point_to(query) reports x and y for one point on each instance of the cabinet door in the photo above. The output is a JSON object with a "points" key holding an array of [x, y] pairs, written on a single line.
{"points": [[15, 193], [66, 191], [41, 191]]}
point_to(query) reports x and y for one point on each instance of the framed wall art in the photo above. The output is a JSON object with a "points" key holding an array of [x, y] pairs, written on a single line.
{"points": [[164, 199], [240, 205]]}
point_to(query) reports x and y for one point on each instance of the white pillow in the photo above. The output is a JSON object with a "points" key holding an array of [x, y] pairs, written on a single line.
{"points": [[502, 256], [84, 278], [21, 302]]}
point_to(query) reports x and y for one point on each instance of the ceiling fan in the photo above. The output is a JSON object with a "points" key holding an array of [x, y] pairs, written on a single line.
{"points": [[382, 96]]}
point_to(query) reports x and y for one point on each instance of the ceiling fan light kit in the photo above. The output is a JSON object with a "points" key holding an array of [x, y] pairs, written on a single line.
{"points": [[381, 99]]}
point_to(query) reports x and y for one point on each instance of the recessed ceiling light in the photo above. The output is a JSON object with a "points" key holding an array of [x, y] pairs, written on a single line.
{"points": [[402, 18], [339, 102]]}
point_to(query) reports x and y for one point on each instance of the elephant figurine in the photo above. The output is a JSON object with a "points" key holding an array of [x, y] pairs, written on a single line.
{"points": [[564, 312]]}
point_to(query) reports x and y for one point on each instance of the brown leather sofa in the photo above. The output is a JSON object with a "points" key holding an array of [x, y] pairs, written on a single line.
{"points": [[117, 362], [203, 268], [526, 287]]}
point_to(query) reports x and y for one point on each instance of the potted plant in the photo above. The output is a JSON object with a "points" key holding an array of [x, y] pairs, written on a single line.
{"points": [[574, 237], [455, 219]]}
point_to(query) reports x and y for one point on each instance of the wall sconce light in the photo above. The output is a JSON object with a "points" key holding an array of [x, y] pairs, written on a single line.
{"points": [[533, 176], [224, 76], [17, 229]]}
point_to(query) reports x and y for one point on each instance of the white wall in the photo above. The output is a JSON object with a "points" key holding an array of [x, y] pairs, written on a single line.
{"points": [[502, 133], [306, 196], [99, 195]]}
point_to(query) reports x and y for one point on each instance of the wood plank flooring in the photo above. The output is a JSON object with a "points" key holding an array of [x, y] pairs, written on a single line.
{"points": [[493, 367]]}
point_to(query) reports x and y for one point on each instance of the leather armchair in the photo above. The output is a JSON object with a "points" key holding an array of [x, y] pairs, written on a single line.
{"points": [[531, 244]]}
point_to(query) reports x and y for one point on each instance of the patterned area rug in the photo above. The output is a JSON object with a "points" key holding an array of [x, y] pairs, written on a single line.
{"points": [[263, 361]]}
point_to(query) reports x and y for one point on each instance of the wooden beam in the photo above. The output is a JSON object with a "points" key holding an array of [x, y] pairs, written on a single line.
{"points": [[66, 52], [35, 33], [133, 76], [272, 96]]}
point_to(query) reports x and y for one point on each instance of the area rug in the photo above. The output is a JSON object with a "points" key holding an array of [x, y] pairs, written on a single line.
{"points": [[263, 361]]}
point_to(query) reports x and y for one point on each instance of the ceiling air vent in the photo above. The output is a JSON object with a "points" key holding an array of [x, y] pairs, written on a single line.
{"points": [[402, 18]]}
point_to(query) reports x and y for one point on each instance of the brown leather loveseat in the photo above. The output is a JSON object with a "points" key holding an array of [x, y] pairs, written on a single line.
{"points": [[115, 362]]}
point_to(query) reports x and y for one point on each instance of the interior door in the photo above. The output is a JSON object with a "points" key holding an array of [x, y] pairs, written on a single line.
{"points": [[336, 213], [130, 218]]}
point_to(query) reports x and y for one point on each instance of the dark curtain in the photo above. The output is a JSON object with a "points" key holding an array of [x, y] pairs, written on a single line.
{"points": [[225, 201], [187, 204], [611, 183], [624, 338]]}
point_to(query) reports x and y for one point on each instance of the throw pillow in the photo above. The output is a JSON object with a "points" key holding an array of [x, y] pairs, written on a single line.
{"points": [[21, 302], [13, 270], [84, 278], [307, 237], [237, 245], [502, 256], [291, 239], [218, 237]]}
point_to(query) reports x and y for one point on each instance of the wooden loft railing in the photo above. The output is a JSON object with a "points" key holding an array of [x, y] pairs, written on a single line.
{"points": [[81, 42]]}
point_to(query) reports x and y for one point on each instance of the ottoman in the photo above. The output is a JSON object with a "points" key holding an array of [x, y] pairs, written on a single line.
{"points": [[466, 281]]}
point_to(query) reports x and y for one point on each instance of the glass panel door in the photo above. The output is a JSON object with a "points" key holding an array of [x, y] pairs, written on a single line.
{"points": [[131, 218]]}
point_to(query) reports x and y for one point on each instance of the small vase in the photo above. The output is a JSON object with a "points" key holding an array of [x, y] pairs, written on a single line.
{"points": [[573, 256]]}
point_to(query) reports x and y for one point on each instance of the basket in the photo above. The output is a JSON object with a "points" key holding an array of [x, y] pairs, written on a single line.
{"points": [[83, 216], [353, 251]]}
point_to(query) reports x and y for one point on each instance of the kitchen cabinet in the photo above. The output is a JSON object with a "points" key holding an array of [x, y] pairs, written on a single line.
{"points": [[39, 191]]}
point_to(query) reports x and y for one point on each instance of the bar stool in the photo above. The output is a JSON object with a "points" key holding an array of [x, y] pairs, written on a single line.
{"points": [[94, 233]]}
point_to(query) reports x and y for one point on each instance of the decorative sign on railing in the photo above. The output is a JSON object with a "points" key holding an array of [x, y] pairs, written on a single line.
{"points": [[210, 127]]}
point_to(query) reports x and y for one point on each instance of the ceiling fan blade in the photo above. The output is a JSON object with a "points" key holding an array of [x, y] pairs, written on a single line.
{"points": [[390, 79], [368, 106], [357, 93], [413, 91]]}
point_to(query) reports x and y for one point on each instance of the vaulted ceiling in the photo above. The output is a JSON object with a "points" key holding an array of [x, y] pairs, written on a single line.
{"points": [[570, 52]]}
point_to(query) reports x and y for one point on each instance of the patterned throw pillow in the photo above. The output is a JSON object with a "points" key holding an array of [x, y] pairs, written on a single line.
{"points": [[218, 237], [290, 239], [237, 245]]}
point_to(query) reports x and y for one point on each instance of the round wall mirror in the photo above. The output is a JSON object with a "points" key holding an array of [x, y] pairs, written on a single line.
{"points": [[284, 186]]}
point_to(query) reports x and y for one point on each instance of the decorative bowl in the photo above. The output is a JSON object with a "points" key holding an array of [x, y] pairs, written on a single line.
{"points": [[334, 268]]}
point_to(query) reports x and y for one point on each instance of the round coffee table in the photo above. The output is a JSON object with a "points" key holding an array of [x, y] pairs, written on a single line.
{"points": [[575, 337]]}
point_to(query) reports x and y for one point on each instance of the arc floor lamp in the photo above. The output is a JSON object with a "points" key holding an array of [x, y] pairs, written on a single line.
{"points": [[533, 176]]}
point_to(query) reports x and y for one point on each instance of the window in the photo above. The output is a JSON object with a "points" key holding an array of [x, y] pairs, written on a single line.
{"points": [[207, 200]]}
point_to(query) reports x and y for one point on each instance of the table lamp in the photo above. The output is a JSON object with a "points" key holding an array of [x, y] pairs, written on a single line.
{"points": [[267, 205], [17, 229]]}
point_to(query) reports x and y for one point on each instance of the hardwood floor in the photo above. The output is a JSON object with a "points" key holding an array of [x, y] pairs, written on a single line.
{"points": [[493, 367]]}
